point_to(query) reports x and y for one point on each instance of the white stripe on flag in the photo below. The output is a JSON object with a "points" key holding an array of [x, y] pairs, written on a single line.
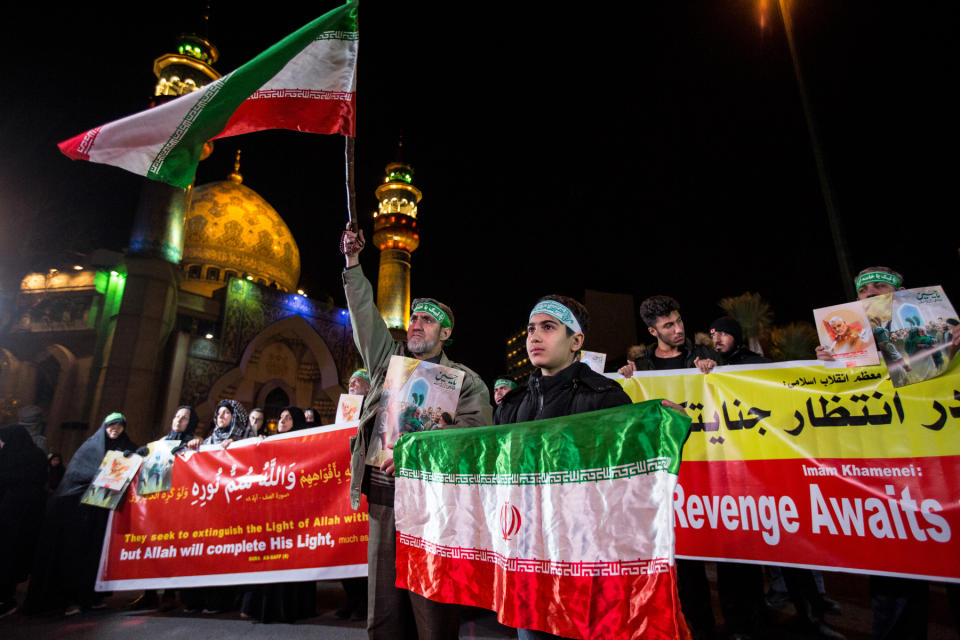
{"points": [[621, 519], [325, 65], [133, 142]]}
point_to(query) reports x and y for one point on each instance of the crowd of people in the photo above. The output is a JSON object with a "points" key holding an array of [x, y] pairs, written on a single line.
{"points": [[561, 385], [59, 538], [41, 507]]}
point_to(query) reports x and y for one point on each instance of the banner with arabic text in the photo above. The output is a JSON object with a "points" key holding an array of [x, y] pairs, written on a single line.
{"points": [[273, 510], [796, 465]]}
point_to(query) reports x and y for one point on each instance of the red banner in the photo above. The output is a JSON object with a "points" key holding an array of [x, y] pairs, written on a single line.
{"points": [[895, 516], [274, 510]]}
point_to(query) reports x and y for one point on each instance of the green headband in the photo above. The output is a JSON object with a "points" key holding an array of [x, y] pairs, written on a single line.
{"points": [[116, 416], [435, 311], [879, 276], [510, 384], [559, 311], [360, 373]]}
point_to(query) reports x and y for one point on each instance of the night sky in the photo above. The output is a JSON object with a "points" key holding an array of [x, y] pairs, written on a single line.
{"points": [[652, 150]]}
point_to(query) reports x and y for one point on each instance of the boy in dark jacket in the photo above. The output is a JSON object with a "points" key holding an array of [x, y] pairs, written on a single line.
{"points": [[562, 386]]}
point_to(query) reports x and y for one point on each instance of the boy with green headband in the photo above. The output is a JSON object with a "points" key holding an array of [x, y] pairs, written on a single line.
{"points": [[561, 386], [393, 611]]}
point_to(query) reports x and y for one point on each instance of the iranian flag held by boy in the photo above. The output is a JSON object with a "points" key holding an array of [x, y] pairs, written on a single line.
{"points": [[562, 525]]}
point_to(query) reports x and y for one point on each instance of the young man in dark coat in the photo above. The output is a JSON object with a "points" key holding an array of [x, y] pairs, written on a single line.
{"points": [[673, 350]]}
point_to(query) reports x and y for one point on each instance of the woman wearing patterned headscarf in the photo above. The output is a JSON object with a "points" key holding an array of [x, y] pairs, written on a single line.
{"points": [[229, 425]]}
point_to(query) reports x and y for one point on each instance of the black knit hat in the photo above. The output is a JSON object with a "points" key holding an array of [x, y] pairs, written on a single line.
{"points": [[729, 326]]}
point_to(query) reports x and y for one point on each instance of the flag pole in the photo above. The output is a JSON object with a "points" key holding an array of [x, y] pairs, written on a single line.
{"points": [[352, 223]]}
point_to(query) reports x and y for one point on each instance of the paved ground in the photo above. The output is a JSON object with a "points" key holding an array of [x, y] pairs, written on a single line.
{"points": [[116, 622]]}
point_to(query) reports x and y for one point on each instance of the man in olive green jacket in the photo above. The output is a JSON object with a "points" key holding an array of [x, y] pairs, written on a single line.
{"points": [[393, 612]]}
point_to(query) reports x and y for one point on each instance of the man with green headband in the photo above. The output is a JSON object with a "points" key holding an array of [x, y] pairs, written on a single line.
{"points": [[501, 387], [872, 281], [393, 611], [899, 605]]}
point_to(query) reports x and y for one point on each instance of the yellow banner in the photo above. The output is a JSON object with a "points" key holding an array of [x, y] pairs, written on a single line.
{"points": [[794, 410]]}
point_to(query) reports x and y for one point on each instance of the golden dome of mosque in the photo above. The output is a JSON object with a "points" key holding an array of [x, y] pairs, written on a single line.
{"points": [[231, 231]]}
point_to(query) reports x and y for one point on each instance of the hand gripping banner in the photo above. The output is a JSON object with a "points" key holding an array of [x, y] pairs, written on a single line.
{"points": [[795, 465], [273, 510]]}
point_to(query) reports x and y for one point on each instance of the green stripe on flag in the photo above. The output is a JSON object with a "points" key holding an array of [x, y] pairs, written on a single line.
{"points": [[177, 160], [628, 440]]}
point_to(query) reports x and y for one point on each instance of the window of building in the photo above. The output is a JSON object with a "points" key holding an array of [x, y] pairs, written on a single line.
{"points": [[213, 273], [193, 271]]}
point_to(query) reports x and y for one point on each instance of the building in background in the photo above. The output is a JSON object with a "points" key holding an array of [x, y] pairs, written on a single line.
{"points": [[396, 234]]}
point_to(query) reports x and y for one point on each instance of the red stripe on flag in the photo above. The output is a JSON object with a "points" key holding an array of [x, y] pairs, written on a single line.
{"points": [[297, 114], [611, 607], [78, 147]]}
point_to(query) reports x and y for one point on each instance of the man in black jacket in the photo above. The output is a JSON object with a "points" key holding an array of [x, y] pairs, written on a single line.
{"points": [[740, 586], [727, 336], [661, 314]]}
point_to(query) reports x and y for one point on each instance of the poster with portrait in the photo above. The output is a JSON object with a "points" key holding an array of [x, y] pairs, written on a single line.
{"points": [[348, 408], [417, 396], [845, 332], [156, 470], [916, 331], [111, 480], [594, 360]]}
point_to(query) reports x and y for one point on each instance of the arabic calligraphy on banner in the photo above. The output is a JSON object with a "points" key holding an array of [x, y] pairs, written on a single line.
{"points": [[274, 510], [791, 464]]}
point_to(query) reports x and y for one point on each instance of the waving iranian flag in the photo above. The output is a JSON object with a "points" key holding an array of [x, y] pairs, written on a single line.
{"points": [[561, 525], [305, 82]]}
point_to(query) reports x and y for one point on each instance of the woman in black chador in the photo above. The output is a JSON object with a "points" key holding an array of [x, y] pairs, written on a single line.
{"points": [[287, 601], [23, 496], [68, 552]]}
